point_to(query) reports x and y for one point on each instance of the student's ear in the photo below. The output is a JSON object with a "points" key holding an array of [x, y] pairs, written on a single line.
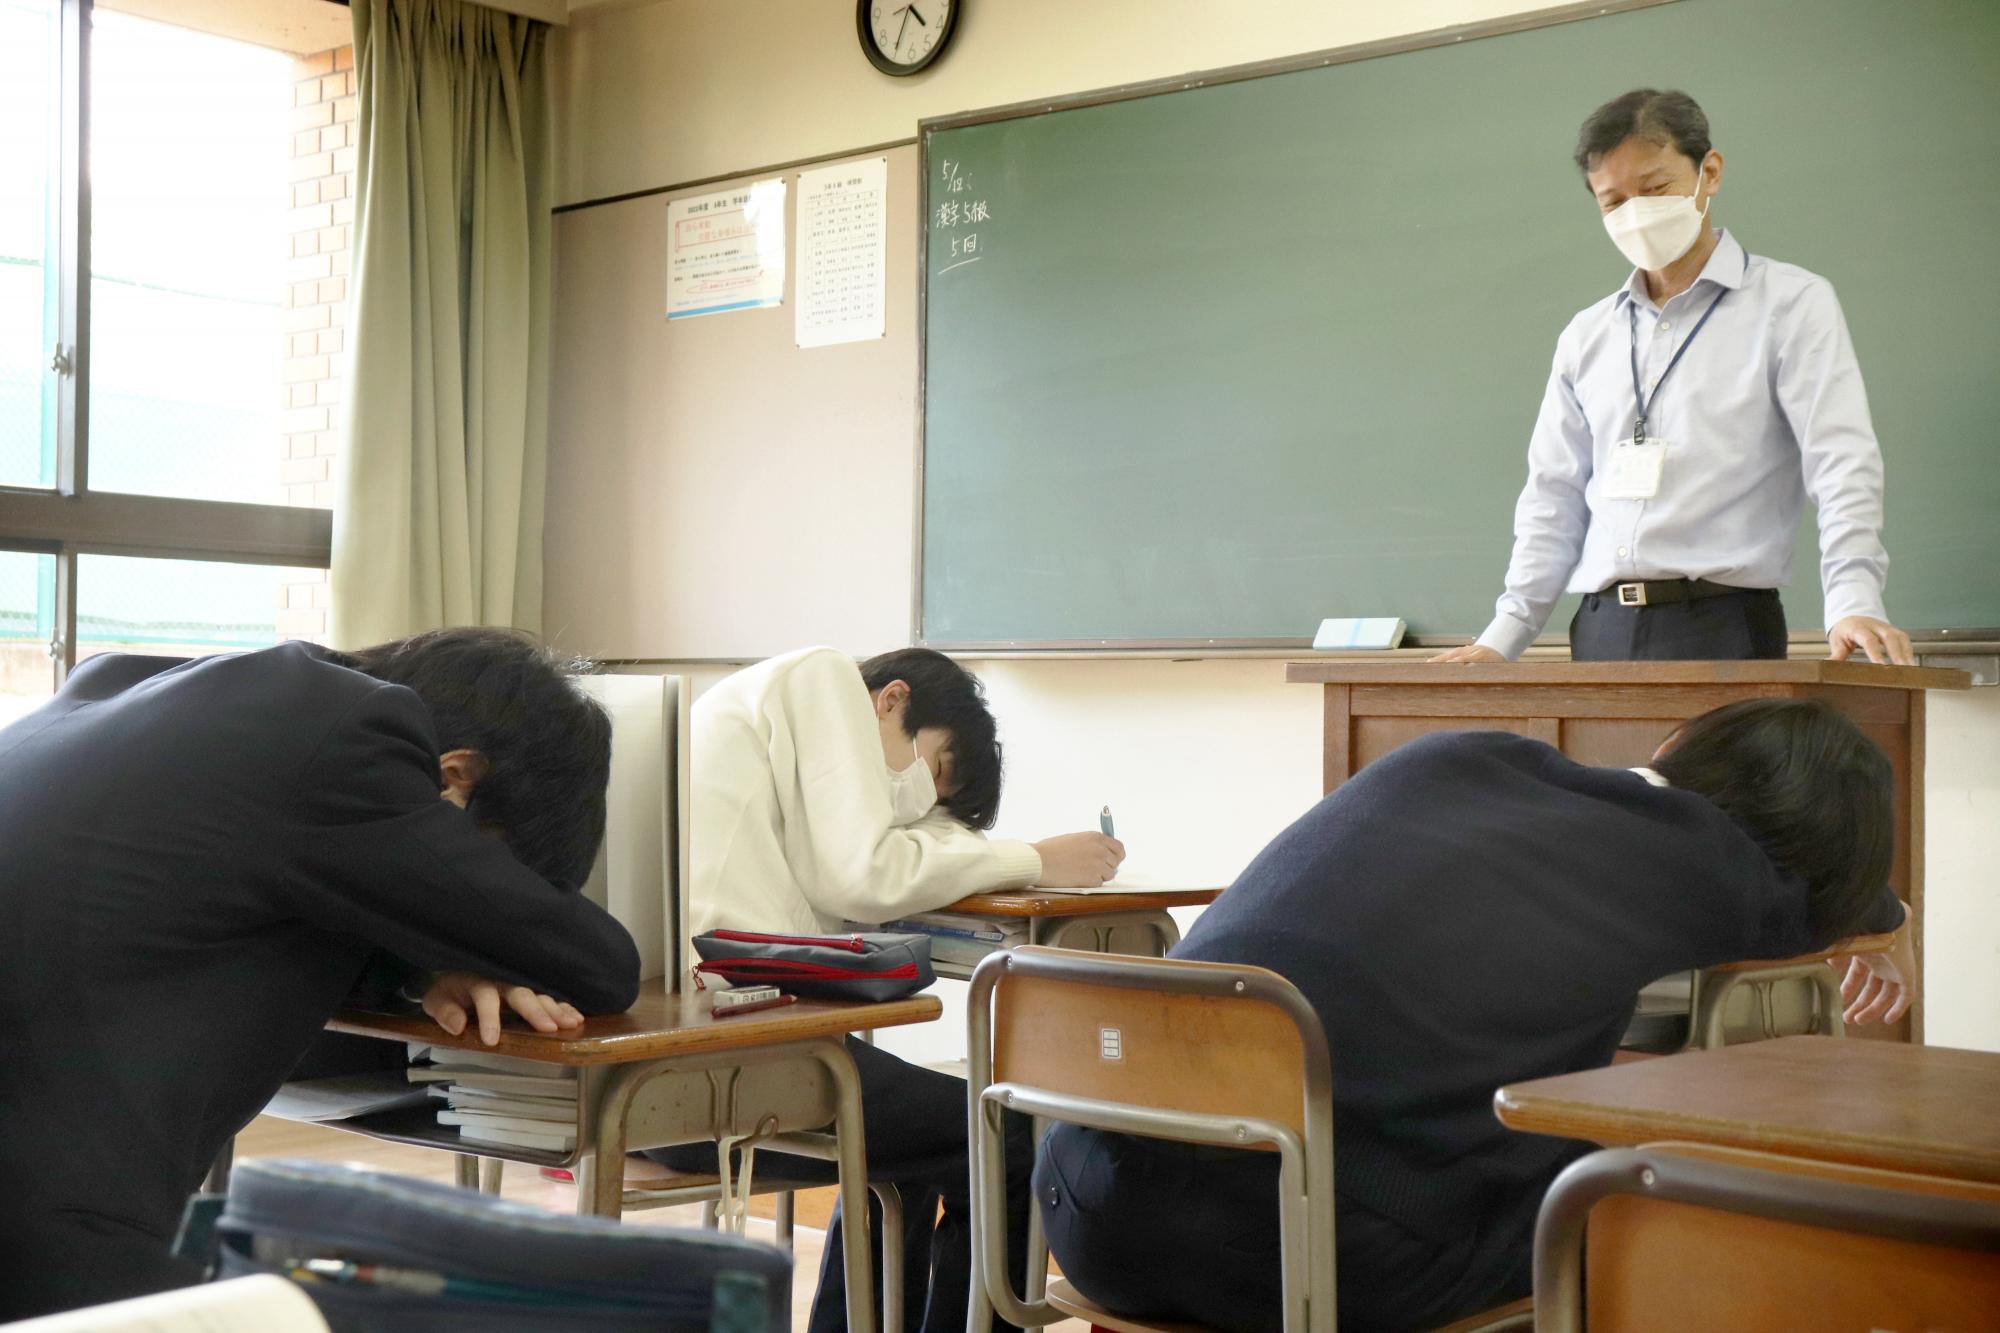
{"points": [[891, 697], [1673, 739], [462, 771]]}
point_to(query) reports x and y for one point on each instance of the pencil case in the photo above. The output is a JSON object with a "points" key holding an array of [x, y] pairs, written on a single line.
{"points": [[819, 967], [379, 1253]]}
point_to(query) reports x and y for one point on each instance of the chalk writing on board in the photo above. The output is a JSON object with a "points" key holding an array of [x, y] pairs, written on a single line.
{"points": [[726, 251], [843, 254], [956, 218]]}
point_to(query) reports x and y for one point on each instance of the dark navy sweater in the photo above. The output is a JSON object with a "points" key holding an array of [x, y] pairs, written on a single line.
{"points": [[1472, 910]]}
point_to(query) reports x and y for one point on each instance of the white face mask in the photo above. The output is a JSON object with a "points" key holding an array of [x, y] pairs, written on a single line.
{"points": [[912, 793], [1653, 230]]}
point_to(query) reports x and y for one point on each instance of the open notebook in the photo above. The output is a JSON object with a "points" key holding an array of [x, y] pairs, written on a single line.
{"points": [[243, 1305], [1141, 881]]}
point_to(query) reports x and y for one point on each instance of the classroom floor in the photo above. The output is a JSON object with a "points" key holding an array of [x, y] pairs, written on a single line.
{"points": [[284, 1138]]}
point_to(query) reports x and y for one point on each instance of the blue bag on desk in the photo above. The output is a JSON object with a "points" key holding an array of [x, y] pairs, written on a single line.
{"points": [[386, 1254], [819, 967]]}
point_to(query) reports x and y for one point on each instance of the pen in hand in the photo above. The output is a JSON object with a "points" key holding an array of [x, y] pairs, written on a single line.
{"points": [[1104, 822]]}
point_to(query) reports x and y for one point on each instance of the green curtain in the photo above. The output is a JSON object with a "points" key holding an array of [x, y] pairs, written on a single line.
{"points": [[438, 520]]}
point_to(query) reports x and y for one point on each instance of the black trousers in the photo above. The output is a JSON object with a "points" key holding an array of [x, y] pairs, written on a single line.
{"points": [[915, 1123], [1736, 626], [56, 1258], [1182, 1232]]}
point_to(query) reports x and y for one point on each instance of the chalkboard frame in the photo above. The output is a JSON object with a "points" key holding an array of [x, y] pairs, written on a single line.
{"points": [[1042, 106]]}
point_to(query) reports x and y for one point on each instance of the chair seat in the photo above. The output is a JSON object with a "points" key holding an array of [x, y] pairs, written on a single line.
{"points": [[679, 1187], [1076, 1305]]}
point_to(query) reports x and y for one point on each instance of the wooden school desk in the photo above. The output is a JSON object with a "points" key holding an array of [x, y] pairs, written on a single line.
{"points": [[1929, 1110], [667, 1072], [1081, 920], [1615, 714]]}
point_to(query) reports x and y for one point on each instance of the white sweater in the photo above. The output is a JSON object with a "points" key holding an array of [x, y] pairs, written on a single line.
{"points": [[791, 825]]}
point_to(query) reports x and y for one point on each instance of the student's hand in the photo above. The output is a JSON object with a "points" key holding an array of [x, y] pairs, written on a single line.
{"points": [[455, 995], [1471, 652], [1881, 986], [1079, 860], [1883, 642]]}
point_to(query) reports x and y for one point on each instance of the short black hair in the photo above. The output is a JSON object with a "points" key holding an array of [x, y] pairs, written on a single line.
{"points": [[1663, 118], [547, 745], [1815, 793], [944, 694]]}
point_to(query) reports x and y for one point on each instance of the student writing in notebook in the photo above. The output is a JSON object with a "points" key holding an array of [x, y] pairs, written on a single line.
{"points": [[826, 792], [204, 859], [1472, 910]]}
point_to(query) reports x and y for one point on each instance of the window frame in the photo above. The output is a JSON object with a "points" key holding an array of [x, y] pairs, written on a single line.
{"points": [[71, 519]]}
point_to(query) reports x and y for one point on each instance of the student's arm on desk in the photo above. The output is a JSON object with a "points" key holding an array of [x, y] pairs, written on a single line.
{"points": [[376, 854]]}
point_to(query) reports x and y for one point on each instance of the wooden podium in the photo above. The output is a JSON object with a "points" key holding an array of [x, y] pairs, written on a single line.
{"points": [[1615, 714]]}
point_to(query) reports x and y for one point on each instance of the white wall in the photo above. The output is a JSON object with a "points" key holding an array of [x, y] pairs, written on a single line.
{"points": [[1202, 762], [685, 89], [1962, 870]]}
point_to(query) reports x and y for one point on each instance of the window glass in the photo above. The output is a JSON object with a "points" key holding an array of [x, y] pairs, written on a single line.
{"points": [[187, 608], [189, 196], [28, 177], [27, 626]]}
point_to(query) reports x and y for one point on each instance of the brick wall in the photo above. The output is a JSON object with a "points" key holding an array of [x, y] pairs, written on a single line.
{"points": [[322, 227]]}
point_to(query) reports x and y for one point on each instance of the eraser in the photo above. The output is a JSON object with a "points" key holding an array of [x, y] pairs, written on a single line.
{"points": [[1374, 633]]}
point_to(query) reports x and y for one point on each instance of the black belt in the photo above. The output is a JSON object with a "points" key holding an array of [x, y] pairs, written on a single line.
{"points": [[1665, 592]]}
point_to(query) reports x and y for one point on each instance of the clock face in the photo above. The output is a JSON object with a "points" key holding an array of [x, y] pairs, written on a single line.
{"points": [[903, 36]]}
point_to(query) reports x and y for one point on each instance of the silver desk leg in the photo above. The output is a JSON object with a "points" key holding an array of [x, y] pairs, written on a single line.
{"points": [[489, 1175], [892, 1257], [465, 1170], [783, 1218], [853, 1161], [217, 1179]]}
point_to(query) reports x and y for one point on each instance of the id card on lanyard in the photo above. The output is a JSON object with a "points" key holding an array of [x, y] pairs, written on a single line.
{"points": [[1635, 465]]}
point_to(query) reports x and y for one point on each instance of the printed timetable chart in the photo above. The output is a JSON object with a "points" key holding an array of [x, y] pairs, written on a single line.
{"points": [[843, 253], [726, 251]]}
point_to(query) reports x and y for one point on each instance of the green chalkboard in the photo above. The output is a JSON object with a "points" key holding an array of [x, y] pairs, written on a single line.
{"points": [[1232, 358]]}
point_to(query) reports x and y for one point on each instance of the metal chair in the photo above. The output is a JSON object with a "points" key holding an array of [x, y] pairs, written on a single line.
{"points": [[1679, 1236], [1212, 1053]]}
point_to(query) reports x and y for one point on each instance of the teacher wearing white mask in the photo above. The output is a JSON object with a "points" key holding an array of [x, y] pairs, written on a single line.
{"points": [[1688, 417]]}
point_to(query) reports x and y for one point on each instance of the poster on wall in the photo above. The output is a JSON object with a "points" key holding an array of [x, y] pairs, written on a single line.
{"points": [[726, 251], [843, 248]]}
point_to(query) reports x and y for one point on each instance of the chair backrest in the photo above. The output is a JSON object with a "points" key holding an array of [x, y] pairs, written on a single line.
{"points": [[1680, 1236], [1211, 1051], [1201, 1052], [641, 871]]}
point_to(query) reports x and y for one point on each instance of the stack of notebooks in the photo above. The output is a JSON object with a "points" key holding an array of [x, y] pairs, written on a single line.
{"points": [[961, 939], [499, 1100]]}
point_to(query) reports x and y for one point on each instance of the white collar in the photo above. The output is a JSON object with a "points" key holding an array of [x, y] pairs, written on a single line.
{"points": [[1651, 777]]}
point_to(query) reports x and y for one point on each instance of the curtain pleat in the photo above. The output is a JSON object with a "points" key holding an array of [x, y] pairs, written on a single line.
{"points": [[438, 518]]}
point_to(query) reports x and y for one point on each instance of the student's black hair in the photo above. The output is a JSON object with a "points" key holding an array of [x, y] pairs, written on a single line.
{"points": [[944, 694], [547, 744], [1808, 786], [1657, 117]]}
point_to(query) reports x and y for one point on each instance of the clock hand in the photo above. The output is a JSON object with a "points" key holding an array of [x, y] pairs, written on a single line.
{"points": [[915, 15], [900, 30]]}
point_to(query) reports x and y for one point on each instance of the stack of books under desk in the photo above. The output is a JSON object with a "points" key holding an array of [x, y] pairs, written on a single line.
{"points": [[500, 1101]]}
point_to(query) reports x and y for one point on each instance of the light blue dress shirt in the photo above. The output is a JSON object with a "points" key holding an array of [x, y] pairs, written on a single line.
{"points": [[1766, 408]]}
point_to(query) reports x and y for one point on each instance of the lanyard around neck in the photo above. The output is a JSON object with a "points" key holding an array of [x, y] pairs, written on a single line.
{"points": [[1645, 404]]}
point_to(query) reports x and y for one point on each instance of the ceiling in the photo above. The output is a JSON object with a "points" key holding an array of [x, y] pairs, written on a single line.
{"points": [[299, 26], [302, 27]]}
